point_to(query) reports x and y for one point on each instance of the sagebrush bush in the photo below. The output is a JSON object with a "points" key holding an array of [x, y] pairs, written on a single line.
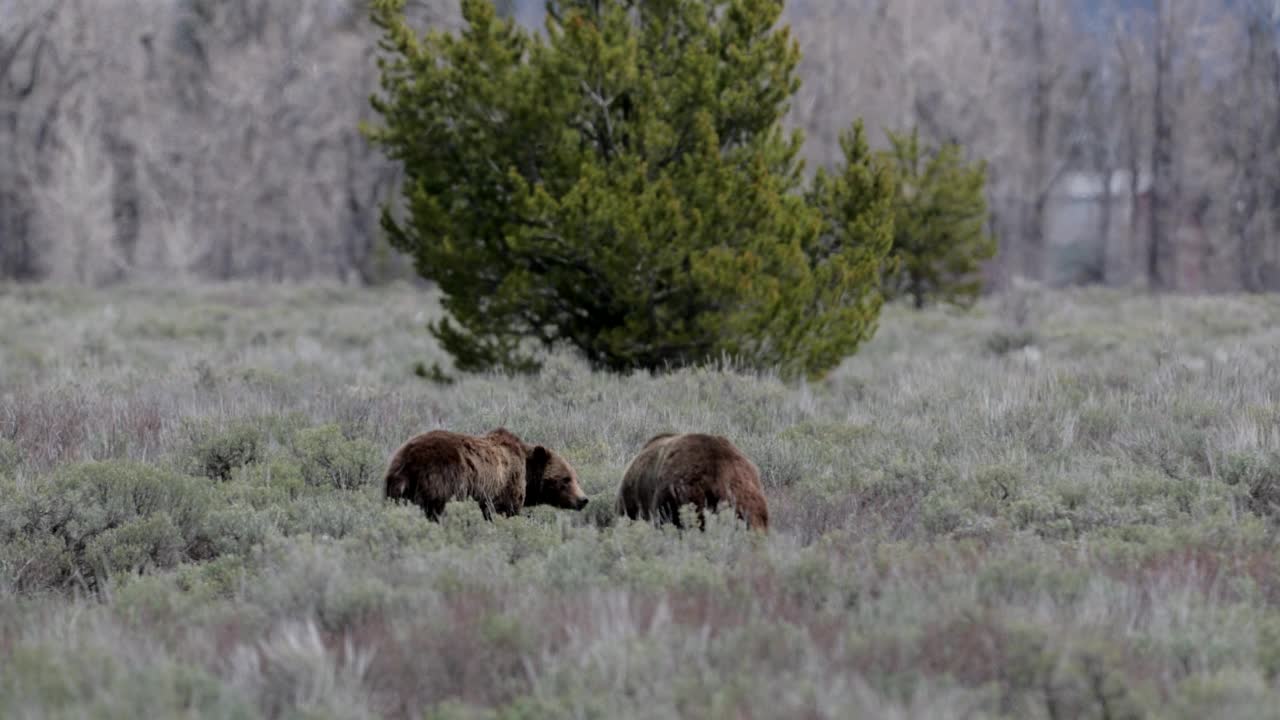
{"points": [[1081, 530], [237, 529], [275, 480], [10, 457], [1257, 476], [92, 520], [328, 459], [216, 451], [111, 677], [328, 515], [1005, 341]]}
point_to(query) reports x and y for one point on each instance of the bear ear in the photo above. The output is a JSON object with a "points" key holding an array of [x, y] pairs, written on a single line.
{"points": [[537, 462]]}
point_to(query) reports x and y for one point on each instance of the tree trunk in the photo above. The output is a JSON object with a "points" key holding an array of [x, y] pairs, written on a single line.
{"points": [[1163, 191], [1243, 221], [1132, 152], [1272, 168], [1105, 171], [1040, 147]]}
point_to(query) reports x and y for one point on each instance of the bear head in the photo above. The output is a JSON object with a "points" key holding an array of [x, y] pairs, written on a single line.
{"points": [[551, 480]]}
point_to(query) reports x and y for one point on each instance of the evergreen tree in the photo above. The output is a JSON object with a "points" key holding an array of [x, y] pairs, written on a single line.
{"points": [[624, 185], [940, 212]]}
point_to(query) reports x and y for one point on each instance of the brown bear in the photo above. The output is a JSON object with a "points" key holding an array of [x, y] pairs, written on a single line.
{"points": [[498, 470], [674, 470]]}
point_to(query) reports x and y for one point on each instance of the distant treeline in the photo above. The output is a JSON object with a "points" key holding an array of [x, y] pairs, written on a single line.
{"points": [[217, 139]]}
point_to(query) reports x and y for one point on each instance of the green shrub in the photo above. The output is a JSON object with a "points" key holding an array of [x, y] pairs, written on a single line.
{"points": [[349, 603], [600, 511], [10, 458], [222, 577], [455, 710], [215, 452], [95, 519], [33, 560], [137, 545], [87, 679], [1003, 342], [398, 530], [274, 480], [330, 460], [1230, 693], [237, 529], [997, 488], [331, 514], [942, 512], [1257, 475], [1269, 647], [1094, 682]]}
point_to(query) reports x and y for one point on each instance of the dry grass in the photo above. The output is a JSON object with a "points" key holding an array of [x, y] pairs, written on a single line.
{"points": [[1055, 506]]}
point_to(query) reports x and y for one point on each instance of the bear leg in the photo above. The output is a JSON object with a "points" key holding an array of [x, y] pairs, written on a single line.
{"points": [[433, 509]]}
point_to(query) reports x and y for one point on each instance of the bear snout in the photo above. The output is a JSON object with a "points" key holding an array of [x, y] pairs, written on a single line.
{"points": [[581, 503]]}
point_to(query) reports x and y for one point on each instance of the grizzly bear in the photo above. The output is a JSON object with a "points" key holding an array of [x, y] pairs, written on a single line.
{"points": [[498, 470], [678, 469]]}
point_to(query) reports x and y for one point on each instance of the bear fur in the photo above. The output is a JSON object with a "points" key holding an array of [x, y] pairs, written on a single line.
{"points": [[498, 470], [678, 469]]}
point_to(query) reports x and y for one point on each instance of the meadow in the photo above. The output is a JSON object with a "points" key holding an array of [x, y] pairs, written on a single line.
{"points": [[1056, 505]]}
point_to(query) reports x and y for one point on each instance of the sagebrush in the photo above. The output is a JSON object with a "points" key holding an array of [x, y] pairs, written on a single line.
{"points": [[1081, 525]]}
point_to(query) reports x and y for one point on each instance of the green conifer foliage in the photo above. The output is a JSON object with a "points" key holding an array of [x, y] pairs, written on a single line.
{"points": [[940, 214], [623, 184]]}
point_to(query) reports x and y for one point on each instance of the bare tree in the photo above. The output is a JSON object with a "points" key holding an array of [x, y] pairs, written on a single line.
{"points": [[1163, 181], [1101, 148], [1250, 104], [217, 139], [1133, 107], [1055, 80], [59, 187], [1000, 77], [35, 76]]}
